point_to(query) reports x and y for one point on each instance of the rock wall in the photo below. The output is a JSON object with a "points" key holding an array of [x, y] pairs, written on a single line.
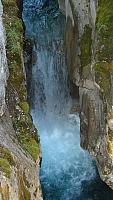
{"points": [[3, 65], [90, 61], [19, 143]]}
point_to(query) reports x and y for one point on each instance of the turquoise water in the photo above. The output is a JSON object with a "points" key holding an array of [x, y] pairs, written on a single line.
{"points": [[67, 172]]}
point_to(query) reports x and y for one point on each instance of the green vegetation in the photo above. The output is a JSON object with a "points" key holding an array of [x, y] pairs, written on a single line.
{"points": [[30, 145], [104, 15], [5, 167], [85, 46], [28, 141], [6, 161], [14, 30], [110, 142], [14, 47], [25, 107], [104, 53], [26, 133], [5, 153], [104, 27], [102, 76], [16, 89]]}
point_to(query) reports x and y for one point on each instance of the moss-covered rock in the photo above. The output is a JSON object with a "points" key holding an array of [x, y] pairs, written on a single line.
{"points": [[104, 51], [85, 46], [16, 89], [104, 27], [5, 153], [103, 71], [14, 48], [5, 166], [19, 170], [25, 107], [110, 142], [6, 161]]}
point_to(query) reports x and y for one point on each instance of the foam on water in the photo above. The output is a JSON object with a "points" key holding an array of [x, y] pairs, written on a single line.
{"points": [[65, 165]]}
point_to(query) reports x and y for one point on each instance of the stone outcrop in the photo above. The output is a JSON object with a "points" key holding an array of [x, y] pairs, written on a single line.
{"points": [[90, 61], [19, 143], [3, 65]]}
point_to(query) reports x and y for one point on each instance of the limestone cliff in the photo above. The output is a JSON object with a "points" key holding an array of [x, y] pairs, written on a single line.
{"points": [[19, 143], [89, 43]]}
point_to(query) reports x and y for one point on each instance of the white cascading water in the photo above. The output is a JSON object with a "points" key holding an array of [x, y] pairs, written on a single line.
{"points": [[67, 172]]}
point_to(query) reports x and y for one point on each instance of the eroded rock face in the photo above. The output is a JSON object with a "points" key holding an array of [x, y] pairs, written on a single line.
{"points": [[90, 58], [19, 143], [3, 64]]}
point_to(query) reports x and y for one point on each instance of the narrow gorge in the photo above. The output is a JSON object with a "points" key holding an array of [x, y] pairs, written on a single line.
{"points": [[56, 109]]}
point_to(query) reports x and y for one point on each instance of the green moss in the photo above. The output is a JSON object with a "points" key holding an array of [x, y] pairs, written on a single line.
{"points": [[104, 25], [14, 30], [9, 2], [29, 144], [6, 161], [104, 15], [5, 153], [85, 46], [16, 89], [25, 107], [110, 142], [14, 47], [103, 71], [104, 51], [27, 134], [27, 195], [5, 167]]}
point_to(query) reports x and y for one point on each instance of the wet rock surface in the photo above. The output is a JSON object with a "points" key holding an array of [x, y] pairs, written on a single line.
{"points": [[90, 63]]}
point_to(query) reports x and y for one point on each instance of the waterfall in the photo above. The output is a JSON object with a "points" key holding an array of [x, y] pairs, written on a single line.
{"points": [[67, 172]]}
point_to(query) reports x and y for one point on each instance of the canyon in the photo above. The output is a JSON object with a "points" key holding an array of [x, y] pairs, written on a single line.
{"points": [[87, 46]]}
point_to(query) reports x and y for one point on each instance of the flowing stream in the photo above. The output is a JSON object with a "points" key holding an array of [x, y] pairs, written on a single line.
{"points": [[67, 172]]}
